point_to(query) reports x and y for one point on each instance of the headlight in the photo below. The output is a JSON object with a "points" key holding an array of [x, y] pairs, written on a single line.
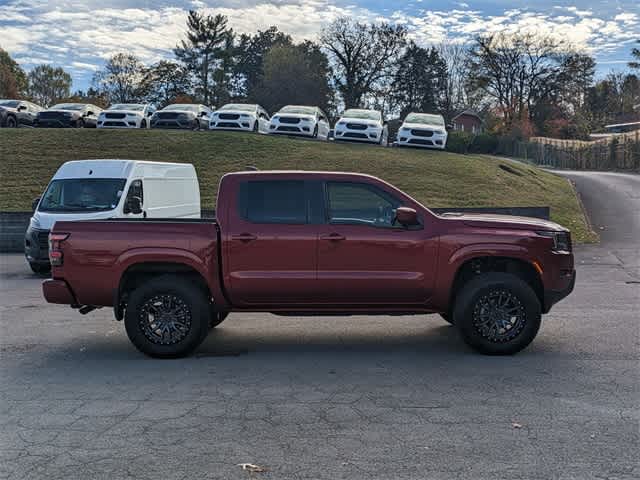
{"points": [[244, 115], [275, 118], [373, 125], [35, 223], [561, 240], [439, 132], [306, 119], [341, 124], [68, 114]]}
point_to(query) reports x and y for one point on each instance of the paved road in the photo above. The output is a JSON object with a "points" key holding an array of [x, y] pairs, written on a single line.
{"points": [[352, 398]]}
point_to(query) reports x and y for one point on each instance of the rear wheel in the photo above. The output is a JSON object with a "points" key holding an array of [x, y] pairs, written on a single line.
{"points": [[497, 314], [167, 317]]}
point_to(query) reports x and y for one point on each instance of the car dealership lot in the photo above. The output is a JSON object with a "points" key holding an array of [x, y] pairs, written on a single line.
{"points": [[350, 397]]}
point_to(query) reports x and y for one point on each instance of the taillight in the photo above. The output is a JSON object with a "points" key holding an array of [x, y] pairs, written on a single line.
{"points": [[55, 253]]}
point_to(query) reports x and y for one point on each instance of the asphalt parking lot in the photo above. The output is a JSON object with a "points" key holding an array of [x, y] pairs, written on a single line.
{"points": [[333, 398]]}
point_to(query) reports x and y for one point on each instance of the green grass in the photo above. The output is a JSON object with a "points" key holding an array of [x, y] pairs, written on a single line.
{"points": [[28, 159]]}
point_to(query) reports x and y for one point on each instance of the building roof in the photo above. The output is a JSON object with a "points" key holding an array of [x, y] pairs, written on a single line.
{"points": [[466, 112]]}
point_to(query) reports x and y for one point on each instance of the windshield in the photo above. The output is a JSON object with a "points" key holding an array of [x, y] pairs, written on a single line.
{"points": [[425, 118], [366, 114], [127, 106], [182, 106], [9, 103], [300, 110], [82, 195], [243, 107], [68, 106]]}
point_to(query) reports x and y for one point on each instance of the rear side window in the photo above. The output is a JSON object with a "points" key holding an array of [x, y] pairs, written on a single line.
{"points": [[280, 201]]}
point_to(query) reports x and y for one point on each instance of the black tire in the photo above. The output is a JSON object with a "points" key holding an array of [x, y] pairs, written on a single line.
{"points": [[80, 123], [510, 328], [315, 132], [40, 268], [256, 127], [162, 293], [143, 124], [12, 122], [196, 125], [216, 317]]}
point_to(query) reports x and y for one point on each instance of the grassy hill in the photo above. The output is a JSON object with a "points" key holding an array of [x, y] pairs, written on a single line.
{"points": [[29, 157]]}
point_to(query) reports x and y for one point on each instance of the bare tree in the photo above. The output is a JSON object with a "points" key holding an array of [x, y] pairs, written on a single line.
{"points": [[119, 81], [459, 93], [515, 70], [363, 56]]}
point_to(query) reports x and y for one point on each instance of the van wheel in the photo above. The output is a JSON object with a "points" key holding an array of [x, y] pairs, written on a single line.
{"points": [[497, 314], [40, 268], [167, 317], [216, 318]]}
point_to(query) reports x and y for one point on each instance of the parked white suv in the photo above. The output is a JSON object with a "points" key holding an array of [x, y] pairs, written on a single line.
{"points": [[424, 130], [362, 126], [300, 120], [240, 116], [126, 115]]}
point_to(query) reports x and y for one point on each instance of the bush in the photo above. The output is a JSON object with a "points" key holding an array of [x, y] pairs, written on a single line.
{"points": [[483, 143], [458, 142]]}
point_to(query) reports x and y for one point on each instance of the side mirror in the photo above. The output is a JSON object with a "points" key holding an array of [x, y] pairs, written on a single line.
{"points": [[90, 113], [34, 204], [203, 114], [406, 216], [22, 107], [149, 113], [134, 205]]}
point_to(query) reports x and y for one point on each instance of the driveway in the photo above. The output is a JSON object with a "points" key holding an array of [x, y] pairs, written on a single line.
{"points": [[334, 398]]}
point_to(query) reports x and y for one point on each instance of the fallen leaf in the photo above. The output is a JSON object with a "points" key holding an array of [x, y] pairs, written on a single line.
{"points": [[250, 467], [516, 425]]}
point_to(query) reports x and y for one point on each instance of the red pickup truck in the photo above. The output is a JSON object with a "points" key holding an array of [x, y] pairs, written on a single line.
{"points": [[301, 243]]}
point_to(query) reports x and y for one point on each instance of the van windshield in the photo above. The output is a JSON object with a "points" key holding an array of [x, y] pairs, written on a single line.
{"points": [[82, 195]]}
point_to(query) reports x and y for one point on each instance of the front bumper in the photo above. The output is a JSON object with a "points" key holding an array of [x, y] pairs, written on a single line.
{"points": [[551, 297], [245, 125], [305, 129], [368, 135], [56, 122], [130, 122], [36, 246], [57, 291], [175, 123], [424, 139]]}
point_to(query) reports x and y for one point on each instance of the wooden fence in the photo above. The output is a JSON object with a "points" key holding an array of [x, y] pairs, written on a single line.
{"points": [[616, 153]]}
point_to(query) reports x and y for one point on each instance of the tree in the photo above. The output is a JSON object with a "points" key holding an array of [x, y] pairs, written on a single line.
{"points": [[294, 74], [635, 53], [459, 92], [420, 81], [206, 37], [48, 84], [515, 70], [363, 56], [120, 79], [251, 52], [13, 80], [163, 82]]}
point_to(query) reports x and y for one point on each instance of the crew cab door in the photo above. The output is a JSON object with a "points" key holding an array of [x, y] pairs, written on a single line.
{"points": [[270, 242], [364, 257]]}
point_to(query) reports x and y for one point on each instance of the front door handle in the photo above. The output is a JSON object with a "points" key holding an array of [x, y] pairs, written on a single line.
{"points": [[333, 237], [244, 237]]}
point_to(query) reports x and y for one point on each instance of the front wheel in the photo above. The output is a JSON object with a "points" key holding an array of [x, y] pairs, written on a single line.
{"points": [[12, 122], [167, 317], [80, 123], [40, 268], [497, 314], [143, 124]]}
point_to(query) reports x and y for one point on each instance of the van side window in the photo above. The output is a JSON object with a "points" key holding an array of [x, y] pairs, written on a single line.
{"points": [[278, 201], [360, 204], [135, 190]]}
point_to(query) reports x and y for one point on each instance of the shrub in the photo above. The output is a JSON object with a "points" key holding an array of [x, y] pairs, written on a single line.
{"points": [[483, 143], [458, 142]]}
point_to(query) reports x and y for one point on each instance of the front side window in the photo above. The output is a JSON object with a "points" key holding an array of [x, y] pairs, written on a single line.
{"points": [[279, 201], [360, 204], [82, 195], [135, 190]]}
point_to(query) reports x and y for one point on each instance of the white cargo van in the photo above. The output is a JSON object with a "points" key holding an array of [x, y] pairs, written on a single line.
{"points": [[100, 189]]}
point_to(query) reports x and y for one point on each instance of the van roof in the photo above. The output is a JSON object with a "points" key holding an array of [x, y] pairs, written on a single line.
{"points": [[109, 168]]}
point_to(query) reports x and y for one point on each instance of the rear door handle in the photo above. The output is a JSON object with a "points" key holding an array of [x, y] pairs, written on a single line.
{"points": [[333, 237], [244, 237]]}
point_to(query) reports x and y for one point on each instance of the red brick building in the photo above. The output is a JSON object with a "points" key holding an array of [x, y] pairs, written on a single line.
{"points": [[467, 121]]}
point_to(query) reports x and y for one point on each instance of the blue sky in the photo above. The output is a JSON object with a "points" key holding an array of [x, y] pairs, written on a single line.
{"points": [[80, 35]]}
